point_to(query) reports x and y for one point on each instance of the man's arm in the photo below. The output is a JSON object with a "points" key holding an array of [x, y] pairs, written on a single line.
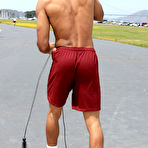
{"points": [[98, 11], [43, 28]]}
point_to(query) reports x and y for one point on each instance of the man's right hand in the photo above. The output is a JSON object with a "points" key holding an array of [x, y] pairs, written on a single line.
{"points": [[52, 47]]}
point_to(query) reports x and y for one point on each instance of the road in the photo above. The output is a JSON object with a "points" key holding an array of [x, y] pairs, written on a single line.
{"points": [[124, 84]]}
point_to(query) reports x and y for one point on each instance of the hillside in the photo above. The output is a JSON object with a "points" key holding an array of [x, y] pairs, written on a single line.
{"points": [[138, 17]]}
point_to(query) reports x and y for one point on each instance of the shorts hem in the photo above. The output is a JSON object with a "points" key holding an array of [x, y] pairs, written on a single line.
{"points": [[86, 110], [54, 104]]}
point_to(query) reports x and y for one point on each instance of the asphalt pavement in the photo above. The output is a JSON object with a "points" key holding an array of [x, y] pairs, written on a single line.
{"points": [[123, 73]]}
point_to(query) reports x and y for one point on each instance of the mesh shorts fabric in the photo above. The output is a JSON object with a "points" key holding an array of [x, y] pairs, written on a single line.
{"points": [[76, 69]]}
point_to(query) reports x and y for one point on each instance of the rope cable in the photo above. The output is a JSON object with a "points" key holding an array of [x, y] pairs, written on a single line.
{"points": [[24, 145]]}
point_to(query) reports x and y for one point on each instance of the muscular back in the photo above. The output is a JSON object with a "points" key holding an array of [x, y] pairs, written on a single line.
{"points": [[72, 21]]}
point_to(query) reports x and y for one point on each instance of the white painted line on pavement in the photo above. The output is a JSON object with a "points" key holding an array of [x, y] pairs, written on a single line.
{"points": [[0, 30]]}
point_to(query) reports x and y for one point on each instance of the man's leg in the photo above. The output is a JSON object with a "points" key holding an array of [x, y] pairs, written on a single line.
{"points": [[96, 139], [52, 125]]}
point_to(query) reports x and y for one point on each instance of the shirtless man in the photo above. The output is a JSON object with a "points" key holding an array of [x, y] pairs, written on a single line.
{"points": [[75, 64]]}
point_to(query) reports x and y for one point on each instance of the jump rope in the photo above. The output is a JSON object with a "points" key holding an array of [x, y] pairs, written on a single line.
{"points": [[24, 141]]}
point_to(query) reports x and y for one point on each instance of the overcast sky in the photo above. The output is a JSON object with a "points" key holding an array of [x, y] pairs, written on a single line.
{"points": [[110, 6]]}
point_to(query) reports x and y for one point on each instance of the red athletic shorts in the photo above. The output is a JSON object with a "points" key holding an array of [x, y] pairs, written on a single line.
{"points": [[76, 69]]}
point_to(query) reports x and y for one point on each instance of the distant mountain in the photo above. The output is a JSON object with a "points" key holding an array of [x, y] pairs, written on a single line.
{"points": [[138, 17]]}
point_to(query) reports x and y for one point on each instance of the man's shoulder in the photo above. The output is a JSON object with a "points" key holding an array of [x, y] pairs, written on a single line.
{"points": [[44, 2], [41, 4]]}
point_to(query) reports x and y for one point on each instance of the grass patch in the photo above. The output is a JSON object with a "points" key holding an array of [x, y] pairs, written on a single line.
{"points": [[125, 34], [18, 21], [22, 23]]}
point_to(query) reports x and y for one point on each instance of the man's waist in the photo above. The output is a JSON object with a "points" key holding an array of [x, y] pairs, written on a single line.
{"points": [[75, 48]]}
